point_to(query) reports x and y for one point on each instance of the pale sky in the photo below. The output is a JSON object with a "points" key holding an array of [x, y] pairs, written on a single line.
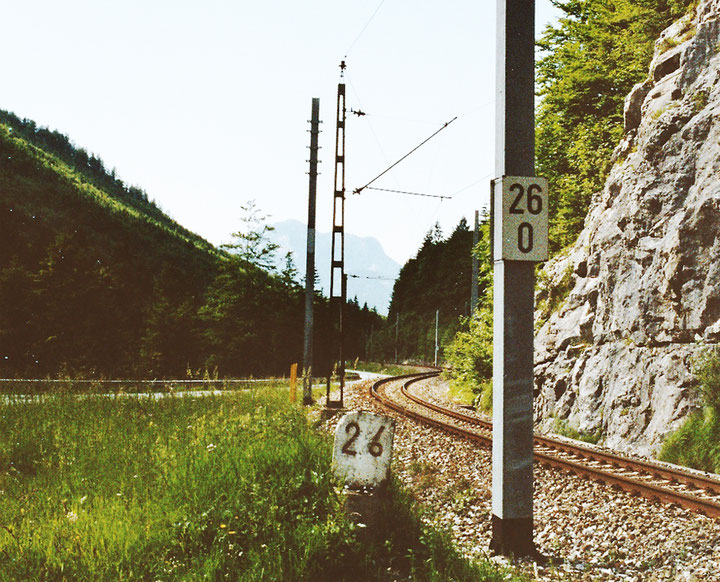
{"points": [[205, 105]]}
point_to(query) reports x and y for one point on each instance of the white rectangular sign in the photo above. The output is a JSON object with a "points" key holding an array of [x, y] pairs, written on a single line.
{"points": [[520, 208]]}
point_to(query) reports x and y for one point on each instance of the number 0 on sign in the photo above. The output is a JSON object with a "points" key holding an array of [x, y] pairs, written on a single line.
{"points": [[520, 208]]}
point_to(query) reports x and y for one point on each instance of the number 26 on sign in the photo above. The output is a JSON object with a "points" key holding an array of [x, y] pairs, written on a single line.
{"points": [[520, 217], [363, 449]]}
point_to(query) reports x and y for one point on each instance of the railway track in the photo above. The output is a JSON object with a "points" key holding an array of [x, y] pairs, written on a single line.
{"points": [[655, 481]]}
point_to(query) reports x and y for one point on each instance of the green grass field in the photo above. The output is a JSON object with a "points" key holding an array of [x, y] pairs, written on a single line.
{"points": [[73, 386], [232, 487]]}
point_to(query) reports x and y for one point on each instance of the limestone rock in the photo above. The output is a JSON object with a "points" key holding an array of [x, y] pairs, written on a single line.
{"points": [[643, 279]]}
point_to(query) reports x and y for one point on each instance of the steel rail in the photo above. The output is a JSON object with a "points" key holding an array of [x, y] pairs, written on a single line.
{"points": [[677, 475], [546, 449]]}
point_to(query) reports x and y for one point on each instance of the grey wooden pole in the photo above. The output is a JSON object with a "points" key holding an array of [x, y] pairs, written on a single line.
{"points": [[475, 267], [310, 255], [397, 328], [514, 282], [437, 317]]}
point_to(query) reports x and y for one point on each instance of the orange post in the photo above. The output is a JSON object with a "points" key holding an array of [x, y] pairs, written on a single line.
{"points": [[293, 382]]}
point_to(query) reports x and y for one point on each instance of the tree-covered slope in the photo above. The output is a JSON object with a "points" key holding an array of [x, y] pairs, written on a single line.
{"points": [[96, 280], [55, 150], [82, 271], [437, 279]]}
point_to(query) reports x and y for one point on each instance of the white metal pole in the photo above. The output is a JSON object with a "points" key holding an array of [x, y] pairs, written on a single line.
{"points": [[514, 281]]}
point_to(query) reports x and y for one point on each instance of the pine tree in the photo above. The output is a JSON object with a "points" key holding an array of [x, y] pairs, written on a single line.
{"points": [[251, 242]]}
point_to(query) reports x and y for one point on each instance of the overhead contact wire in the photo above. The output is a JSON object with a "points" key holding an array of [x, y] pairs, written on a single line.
{"points": [[369, 124], [374, 278], [365, 27], [358, 190], [409, 193]]}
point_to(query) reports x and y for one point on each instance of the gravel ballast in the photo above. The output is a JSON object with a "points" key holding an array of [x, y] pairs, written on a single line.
{"points": [[589, 530]]}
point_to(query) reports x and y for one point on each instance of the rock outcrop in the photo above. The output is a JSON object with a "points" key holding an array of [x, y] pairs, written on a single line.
{"points": [[643, 279]]}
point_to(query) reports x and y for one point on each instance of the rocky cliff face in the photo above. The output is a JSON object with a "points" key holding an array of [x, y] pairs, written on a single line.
{"points": [[643, 279]]}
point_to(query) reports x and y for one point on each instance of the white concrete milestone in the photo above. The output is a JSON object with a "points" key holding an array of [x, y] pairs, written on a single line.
{"points": [[363, 449]]}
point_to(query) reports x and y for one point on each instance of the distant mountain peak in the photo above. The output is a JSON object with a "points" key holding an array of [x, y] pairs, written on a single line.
{"points": [[364, 257]]}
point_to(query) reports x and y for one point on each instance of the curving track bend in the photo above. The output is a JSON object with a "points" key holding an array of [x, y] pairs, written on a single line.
{"points": [[662, 482]]}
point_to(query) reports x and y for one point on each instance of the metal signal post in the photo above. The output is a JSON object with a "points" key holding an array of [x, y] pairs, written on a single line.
{"points": [[338, 279], [519, 203]]}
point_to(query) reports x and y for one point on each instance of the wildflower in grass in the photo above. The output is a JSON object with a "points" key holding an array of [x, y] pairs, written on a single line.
{"points": [[71, 516], [211, 447]]}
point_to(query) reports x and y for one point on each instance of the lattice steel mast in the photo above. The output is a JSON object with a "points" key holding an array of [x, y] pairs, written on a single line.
{"points": [[338, 280]]}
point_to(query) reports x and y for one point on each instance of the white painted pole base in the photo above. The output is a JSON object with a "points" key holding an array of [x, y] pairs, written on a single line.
{"points": [[512, 449]]}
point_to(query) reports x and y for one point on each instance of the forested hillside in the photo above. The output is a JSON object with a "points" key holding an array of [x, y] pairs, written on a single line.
{"points": [[92, 172], [96, 281], [438, 279]]}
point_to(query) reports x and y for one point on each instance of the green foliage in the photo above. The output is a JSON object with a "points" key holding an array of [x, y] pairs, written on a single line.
{"points": [[590, 61], [55, 150], [470, 353], [236, 487], [697, 442], [708, 373], [700, 100], [550, 297], [251, 243], [438, 279], [251, 320], [462, 394], [86, 273], [484, 399], [563, 428]]}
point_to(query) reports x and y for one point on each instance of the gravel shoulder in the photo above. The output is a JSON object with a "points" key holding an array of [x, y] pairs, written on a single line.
{"points": [[591, 531]]}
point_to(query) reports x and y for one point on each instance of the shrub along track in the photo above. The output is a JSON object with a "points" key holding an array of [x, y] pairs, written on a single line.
{"points": [[661, 482]]}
